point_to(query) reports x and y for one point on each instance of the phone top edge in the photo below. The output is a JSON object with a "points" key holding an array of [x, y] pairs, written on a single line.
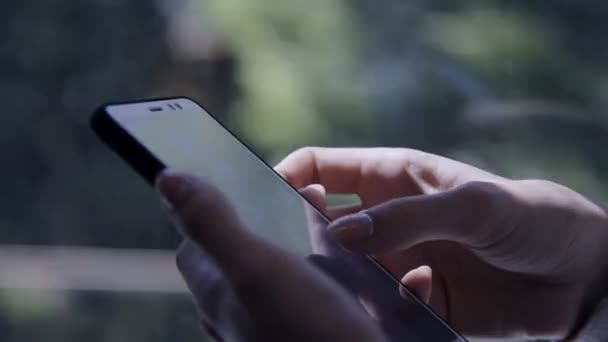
{"points": [[149, 100]]}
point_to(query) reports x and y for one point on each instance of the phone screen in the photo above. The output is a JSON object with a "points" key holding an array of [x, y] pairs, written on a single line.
{"points": [[186, 138]]}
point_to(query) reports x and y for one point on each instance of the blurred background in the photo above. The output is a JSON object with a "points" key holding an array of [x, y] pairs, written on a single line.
{"points": [[86, 254]]}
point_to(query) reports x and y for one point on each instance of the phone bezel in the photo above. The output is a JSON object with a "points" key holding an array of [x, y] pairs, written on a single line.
{"points": [[149, 166]]}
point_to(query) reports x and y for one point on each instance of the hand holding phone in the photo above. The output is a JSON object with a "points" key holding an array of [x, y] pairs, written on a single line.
{"points": [[177, 133], [510, 258]]}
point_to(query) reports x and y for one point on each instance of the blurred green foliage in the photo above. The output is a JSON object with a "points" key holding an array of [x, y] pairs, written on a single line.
{"points": [[451, 57], [516, 87], [298, 65]]}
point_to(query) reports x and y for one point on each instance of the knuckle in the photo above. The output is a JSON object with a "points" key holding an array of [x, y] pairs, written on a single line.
{"points": [[408, 153], [306, 150], [491, 211], [306, 153], [483, 199], [288, 167], [298, 153], [411, 156], [484, 194]]}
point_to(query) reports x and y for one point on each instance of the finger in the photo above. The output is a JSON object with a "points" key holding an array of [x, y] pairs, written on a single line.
{"points": [[214, 298], [203, 278], [208, 219], [420, 282], [315, 194], [277, 289], [335, 212], [339, 170], [340, 269], [317, 221], [475, 214]]}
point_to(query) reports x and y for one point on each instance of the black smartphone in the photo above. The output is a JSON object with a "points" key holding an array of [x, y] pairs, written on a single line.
{"points": [[151, 135]]}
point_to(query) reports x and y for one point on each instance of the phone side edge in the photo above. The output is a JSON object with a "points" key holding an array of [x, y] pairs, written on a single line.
{"points": [[125, 145]]}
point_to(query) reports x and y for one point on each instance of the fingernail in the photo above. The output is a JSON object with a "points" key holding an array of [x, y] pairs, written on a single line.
{"points": [[425, 268], [357, 226], [171, 186]]}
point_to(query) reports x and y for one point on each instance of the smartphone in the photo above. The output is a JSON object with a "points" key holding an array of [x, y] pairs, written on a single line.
{"points": [[154, 134]]}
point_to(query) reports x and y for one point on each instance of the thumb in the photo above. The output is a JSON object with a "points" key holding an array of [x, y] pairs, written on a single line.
{"points": [[474, 214], [278, 290], [205, 216]]}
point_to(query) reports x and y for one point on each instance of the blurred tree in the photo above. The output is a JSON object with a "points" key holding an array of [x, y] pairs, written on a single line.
{"points": [[60, 60], [297, 70]]}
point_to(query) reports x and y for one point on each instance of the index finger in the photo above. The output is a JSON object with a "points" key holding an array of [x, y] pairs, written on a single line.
{"points": [[339, 170]]}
